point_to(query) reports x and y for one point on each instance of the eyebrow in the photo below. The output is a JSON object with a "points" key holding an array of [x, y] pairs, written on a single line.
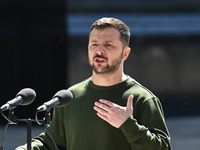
{"points": [[108, 41], [93, 41]]}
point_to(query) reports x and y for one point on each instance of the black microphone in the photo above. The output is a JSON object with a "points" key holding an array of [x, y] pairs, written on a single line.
{"points": [[25, 97], [60, 99]]}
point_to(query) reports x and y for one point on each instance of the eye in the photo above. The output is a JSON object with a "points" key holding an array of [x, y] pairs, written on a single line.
{"points": [[93, 45], [109, 46]]}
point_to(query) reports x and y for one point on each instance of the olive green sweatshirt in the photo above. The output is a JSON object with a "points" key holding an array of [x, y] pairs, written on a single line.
{"points": [[77, 126]]}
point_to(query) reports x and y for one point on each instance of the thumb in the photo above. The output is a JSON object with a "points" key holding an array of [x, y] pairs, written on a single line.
{"points": [[130, 103]]}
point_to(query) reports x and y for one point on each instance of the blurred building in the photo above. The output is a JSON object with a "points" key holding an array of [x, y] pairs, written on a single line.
{"points": [[165, 46], [44, 46]]}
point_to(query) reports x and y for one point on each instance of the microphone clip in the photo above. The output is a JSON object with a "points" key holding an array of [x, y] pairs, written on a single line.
{"points": [[47, 117], [11, 116]]}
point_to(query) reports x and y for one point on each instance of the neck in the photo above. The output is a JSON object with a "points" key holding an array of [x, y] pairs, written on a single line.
{"points": [[108, 79]]}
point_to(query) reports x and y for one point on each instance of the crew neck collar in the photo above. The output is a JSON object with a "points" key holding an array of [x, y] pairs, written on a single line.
{"points": [[107, 88]]}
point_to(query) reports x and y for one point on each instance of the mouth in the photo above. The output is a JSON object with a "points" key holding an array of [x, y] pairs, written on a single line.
{"points": [[99, 60]]}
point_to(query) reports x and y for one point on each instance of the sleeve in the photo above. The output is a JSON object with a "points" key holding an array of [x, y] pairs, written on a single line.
{"points": [[146, 128], [43, 141]]}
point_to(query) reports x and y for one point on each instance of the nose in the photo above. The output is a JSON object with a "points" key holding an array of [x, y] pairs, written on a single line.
{"points": [[100, 50]]}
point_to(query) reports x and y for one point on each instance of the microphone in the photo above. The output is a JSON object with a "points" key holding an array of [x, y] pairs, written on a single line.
{"points": [[25, 97], [60, 99]]}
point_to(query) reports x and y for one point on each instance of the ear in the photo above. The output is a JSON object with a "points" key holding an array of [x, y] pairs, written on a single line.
{"points": [[127, 51]]}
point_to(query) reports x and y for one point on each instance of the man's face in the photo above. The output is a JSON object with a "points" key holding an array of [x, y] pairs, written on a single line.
{"points": [[105, 50]]}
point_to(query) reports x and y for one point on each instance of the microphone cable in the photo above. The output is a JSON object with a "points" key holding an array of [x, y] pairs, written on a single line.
{"points": [[37, 120], [46, 127], [8, 119], [50, 135], [3, 136], [6, 127]]}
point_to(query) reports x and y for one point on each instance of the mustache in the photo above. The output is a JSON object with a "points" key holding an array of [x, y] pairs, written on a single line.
{"points": [[100, 56]]}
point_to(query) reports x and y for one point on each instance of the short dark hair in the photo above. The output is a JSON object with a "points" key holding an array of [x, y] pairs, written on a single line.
{"points": [[117, 24]]}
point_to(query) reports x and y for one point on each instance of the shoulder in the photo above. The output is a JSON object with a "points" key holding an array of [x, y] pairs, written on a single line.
{"points": [[79, 87], [145, 101], [139, 91]]}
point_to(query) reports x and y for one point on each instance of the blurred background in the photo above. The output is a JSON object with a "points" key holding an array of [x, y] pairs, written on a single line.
{"points": [[43, 45]]}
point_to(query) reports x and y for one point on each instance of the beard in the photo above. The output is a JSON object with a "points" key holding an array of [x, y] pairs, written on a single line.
{"points": [[108, 68]]}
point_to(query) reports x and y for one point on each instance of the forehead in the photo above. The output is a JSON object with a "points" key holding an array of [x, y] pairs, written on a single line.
{"points": [[108, 33]]}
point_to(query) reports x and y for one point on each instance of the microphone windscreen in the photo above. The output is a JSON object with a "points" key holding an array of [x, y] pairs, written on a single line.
{"points": [[28, 95], [65, 97]]}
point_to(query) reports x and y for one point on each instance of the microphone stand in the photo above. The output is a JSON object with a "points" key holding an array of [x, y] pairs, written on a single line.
{"points": [[12, 119], [29, 121], [29, 130]]}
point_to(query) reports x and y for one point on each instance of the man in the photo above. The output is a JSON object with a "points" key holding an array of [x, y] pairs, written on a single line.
{"points": [[110, 110]]}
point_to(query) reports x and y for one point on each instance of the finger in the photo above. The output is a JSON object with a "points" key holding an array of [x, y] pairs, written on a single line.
{"points": [[130, 102], [102, 106], [101, 110], [106, 102], [102, 116]]}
